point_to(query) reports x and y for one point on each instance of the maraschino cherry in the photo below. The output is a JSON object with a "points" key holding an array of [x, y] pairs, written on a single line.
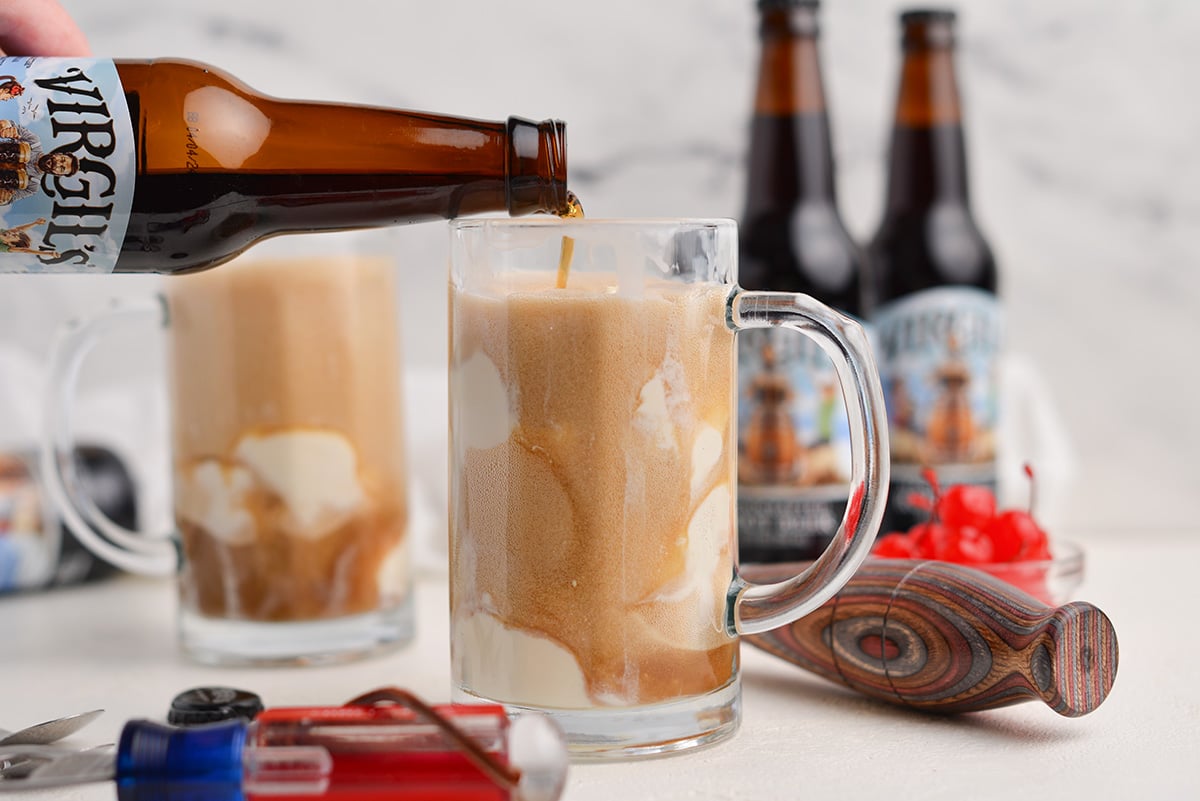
{"points": [[964, 526]]}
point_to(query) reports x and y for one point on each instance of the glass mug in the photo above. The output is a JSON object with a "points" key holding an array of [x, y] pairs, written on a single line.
{"points": [[592, 497], [289, 494]]}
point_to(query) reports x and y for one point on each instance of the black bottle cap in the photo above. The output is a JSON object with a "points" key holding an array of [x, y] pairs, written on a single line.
{"points": [[927, 15], [771, 5], [209, 704]]}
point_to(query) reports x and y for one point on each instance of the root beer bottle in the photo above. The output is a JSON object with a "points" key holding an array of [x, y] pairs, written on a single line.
{"points": [[937, 318], [793, 438], [172, 166]]}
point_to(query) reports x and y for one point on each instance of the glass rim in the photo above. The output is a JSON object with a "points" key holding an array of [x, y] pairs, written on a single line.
{"points": [[485, 223]]}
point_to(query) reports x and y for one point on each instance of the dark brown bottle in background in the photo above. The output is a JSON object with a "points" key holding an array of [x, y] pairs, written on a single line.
{"points": [[793, 438], [936, 315], [209, 166]]}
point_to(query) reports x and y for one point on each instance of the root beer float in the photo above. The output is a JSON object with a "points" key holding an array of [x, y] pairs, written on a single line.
{"points": [[550, 624], [289, 467]]}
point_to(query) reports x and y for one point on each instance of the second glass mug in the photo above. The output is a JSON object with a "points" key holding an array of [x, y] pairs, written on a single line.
{"points": [[593, 569], [289, 495]]}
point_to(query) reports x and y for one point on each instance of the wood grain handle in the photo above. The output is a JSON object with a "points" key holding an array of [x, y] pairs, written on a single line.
{"points": [[947, 638]]}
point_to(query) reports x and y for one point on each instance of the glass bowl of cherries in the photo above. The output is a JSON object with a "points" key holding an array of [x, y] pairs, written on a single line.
{"points": [[966, 527]]}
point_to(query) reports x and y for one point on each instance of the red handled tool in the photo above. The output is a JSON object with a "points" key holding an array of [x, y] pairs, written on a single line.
{"points": [[386, 744]]}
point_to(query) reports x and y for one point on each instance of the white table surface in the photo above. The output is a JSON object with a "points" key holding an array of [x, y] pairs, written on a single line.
{"points": [[112, 645]]}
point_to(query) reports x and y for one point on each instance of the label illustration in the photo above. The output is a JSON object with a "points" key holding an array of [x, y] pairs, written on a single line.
{"points": [[66, 165], [26, 554], [937, 352], [793, 442]]}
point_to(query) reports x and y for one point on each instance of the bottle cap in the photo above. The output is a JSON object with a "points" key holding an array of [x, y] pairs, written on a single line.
{"points": [[928, 15], [928, 27], [772, 5], [209, 704], [788, 17]]}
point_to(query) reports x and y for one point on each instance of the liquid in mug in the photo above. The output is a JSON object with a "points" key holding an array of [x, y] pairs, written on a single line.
{"points": [[288, 450], [593, 571]]}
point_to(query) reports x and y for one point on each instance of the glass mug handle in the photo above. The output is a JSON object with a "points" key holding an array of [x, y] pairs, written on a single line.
{"points": [[136, 552], [761, 607]]}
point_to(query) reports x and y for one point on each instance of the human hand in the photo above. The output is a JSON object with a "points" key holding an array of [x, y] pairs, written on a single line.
{"points": [[39, 28]]}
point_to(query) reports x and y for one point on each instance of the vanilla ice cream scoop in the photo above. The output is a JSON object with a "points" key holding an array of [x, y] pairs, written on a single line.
{"points": [[213, 496], [313, 472]]}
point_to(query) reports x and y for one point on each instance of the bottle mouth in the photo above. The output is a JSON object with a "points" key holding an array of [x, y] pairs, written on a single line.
{"points": [[781, 18], [773, 5], [915, 15], [537, 167], [560, 199]]}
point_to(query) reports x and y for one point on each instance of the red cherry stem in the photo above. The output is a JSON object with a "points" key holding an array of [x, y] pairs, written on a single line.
{"points": [[1032, 486], [931, 476]]}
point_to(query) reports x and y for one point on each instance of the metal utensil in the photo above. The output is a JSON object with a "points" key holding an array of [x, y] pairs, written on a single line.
{"points": [[71, 767], [17, 762], [51, 731]]}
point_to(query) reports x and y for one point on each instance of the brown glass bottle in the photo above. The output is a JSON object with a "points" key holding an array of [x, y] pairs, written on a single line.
{"points": [[219, 166], [792, 439], [933, 287]]}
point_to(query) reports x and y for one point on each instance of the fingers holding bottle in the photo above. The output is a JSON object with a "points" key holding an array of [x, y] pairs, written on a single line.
{"points": [[39, 27]]}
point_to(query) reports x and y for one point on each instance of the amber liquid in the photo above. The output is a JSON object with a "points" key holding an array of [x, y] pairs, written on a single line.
{"points": [[290, 548], [574, 210], [929, 237], [793, 238], [203, 220]]}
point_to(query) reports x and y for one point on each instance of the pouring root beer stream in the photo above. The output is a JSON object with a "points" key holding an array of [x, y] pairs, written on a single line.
{"points": [[574, 210]]}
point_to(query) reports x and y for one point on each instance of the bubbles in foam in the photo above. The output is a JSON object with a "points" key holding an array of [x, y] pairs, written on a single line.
{"points": [[706, 454]]}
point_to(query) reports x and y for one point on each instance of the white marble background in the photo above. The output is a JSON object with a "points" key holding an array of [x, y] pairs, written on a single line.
{"points": [[1083, 131]]}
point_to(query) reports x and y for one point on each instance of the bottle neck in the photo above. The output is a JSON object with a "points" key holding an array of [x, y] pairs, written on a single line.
{"points": [[790, 122], [928, 157], [536, 167]]}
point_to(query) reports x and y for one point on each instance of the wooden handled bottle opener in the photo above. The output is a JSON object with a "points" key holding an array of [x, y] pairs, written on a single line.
{"points": [[946, 638]]}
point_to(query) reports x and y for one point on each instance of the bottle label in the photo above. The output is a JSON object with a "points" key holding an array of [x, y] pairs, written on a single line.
{"points": [[36, 552], [26, 554], [793, 444], [938, 354], [66, 165]]}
